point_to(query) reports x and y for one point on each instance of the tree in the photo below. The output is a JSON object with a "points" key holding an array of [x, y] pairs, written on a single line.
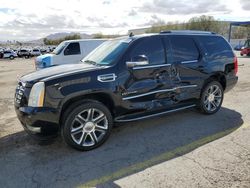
{"points": [[47, 41], [100, 36]]}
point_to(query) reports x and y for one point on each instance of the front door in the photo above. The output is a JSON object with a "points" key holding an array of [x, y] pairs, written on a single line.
{"points": [[147, 85], [71, 54]]}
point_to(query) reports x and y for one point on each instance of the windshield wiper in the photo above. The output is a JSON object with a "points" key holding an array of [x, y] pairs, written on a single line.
{"points": [[89, 62]]}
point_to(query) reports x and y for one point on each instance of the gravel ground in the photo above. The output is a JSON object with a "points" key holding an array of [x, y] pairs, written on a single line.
{"points": [[184, 149]]}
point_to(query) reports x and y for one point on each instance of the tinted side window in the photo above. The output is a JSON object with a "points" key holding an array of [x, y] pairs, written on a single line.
{"points": [[151, 47], [215, 46], [184, 49], [72, 49]]}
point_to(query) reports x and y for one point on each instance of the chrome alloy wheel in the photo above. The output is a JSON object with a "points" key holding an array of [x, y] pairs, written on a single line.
{"points": [[89, 127], [212, 98]]}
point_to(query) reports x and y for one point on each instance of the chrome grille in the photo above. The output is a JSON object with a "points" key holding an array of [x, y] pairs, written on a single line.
{"points": [[19, 92]]}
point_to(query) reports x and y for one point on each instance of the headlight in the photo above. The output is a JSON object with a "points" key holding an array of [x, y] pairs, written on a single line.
{"points": [[36, 97]]}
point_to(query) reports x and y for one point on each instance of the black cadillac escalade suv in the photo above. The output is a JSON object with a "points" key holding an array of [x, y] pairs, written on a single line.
{"points": [[127, 79]]}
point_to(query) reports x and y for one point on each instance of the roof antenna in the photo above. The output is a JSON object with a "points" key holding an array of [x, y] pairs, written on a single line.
{"points": [[131, 34]]}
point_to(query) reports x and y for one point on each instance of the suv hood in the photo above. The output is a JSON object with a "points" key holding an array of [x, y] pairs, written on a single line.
{"points": [[57, 71]]}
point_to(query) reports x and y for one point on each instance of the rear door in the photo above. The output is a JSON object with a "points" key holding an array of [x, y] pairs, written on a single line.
{"points": [[186, 67]]}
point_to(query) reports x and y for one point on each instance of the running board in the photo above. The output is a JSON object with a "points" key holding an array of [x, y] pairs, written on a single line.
{"points": [[119, 119]]}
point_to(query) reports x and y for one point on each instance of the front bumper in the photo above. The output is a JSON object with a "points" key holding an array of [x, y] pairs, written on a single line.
{"points": [[42, 121]]}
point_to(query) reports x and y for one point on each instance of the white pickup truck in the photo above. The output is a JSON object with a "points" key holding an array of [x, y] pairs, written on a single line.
{"points": [[68, 52]]}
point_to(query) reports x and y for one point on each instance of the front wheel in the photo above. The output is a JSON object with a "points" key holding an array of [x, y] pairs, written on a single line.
{"points": [[87, 125], [211, 98]]}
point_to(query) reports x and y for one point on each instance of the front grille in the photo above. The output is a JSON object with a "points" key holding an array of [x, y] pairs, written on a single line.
{"points": [[19, 96]]}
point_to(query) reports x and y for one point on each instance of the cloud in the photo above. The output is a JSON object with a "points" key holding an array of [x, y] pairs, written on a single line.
{"points": [[5, 10], [173, 7], [245, 4], [26, 21], [132, 13], [154, 21], [32, 22], [106, 2], [100, 22], [108, 25]]}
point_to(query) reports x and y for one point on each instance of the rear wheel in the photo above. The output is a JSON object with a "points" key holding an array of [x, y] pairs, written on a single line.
{"points": [[87, 125], [11, 57], [211, 98]]}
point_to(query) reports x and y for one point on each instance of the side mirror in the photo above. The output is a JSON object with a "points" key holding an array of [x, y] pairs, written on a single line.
{"points": [[139, 60]]}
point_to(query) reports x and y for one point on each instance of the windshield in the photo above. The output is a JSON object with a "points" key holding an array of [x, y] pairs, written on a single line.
{"points": [[59, 48], [247, 44], [107, 52]]}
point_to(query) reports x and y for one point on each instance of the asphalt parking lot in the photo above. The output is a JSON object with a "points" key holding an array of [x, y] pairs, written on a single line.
{"points": [[183, 149]]}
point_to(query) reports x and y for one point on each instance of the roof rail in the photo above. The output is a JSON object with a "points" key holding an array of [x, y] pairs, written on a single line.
{"points": [[187, 31]]}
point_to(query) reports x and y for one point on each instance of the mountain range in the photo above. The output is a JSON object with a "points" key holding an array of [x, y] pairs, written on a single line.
{"points": [[55, 36]]}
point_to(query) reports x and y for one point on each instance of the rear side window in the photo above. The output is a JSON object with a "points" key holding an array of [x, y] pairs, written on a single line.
{"points": [[72, 49], [216, 46], [184, 49], [151, 47]]}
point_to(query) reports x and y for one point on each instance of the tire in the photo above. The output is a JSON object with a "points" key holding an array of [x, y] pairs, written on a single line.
{"points": [[211, 98], [86, 125], [11, 57]]}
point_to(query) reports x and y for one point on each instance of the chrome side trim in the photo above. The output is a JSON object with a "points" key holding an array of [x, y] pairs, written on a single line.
{"points": [[153, 115], [106, 77], [191, 61], [151, 66], [158, 91]]}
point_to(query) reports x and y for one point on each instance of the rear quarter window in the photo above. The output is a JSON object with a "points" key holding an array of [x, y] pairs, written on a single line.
{"points": [[216, 46]]}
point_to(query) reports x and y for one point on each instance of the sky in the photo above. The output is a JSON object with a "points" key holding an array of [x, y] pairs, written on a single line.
{"points": [[34, 19]]}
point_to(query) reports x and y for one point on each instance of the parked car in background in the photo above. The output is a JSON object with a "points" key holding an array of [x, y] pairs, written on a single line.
{"points": [[68, 52], [24, 53], [43, 51], [35, 52], [245, 50], [1, 52], [238, 47], [10, 54], [127, 79]]}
